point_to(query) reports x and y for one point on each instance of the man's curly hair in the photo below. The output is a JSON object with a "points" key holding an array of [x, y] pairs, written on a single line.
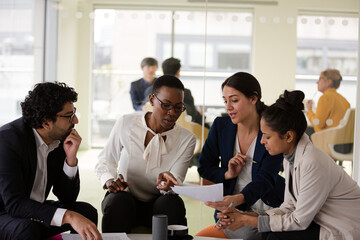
{"points": [[45, 101]]}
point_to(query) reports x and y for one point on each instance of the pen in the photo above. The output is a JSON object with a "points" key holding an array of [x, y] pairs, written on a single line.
{"points": [[218, 221]]}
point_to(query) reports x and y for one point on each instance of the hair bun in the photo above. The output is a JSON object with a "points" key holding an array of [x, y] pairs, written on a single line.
{"points": [[290, 101]]}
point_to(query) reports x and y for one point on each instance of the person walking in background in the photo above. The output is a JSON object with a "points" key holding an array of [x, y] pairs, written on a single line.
{"points": [[38, 153], [146, 154], [321, 200], [137, 89], [249, 174], [331, 106]]}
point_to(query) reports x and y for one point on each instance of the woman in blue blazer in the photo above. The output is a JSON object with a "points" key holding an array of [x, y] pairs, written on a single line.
{"points": [[248, 172]]}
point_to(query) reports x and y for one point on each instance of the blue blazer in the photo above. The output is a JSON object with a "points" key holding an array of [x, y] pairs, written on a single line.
{"points": [[18, 160], [219, 147]]}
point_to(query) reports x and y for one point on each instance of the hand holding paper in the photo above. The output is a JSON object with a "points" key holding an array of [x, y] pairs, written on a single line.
{"points": [[209, 193]]}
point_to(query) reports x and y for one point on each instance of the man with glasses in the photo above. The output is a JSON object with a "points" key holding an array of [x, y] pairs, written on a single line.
{"points": [[38, 153]]}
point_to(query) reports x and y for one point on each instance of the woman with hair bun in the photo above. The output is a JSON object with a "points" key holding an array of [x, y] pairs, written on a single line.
{"points": [[321, 200], [249, 174]]}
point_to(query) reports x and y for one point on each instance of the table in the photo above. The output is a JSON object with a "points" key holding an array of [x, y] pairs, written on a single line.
{"points": [[149, 237]]}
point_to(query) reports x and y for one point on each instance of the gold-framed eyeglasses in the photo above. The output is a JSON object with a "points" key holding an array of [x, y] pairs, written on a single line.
{"points": [[70, 117], [180, 107]]}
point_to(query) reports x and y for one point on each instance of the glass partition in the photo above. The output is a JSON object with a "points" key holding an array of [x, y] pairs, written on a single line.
{"points": [[327, 42], [16, 56], [122, 38], [24, 46]]}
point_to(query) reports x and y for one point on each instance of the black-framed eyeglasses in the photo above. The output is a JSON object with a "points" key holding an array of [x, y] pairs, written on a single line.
{"points": [[70, 117], [180, 107]]}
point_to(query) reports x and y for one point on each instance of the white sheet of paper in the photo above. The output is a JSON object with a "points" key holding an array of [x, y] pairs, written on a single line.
{"points": [[211, 193], [106, 236]]}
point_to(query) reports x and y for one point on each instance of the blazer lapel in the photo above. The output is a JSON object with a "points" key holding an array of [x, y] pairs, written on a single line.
{"points": [[300, 148], [30, 139], [258, 154], [228, 140]]}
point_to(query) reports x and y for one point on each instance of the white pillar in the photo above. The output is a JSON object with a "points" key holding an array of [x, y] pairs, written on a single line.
{"points": [[356, 159]]}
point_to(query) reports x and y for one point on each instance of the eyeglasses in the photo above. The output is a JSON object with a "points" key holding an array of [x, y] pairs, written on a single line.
{"points": [[180, 107], [71, 117]]}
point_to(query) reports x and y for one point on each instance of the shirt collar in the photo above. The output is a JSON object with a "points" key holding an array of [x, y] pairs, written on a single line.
{"points": [[330, 90], [40, 144], [143, 121]]}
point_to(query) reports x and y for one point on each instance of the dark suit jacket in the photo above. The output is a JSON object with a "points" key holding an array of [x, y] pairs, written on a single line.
{"points": [[219, 147], [138, 93], [18, 160]]}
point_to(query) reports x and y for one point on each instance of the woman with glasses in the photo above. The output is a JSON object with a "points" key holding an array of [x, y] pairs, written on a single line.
{"points": [[248, 172], [146, 154]]}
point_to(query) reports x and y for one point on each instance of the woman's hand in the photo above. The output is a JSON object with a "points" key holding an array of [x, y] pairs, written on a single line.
{"points": [[233, 219], [166, 180], [309, 104], [116, 184], [238, 199], [235, 166]]}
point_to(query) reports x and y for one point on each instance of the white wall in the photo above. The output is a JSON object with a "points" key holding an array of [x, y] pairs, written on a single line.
{"points": [[274, 44]]}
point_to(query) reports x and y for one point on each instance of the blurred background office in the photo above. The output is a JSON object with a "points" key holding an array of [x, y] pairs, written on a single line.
{"points": [[96, 47]]}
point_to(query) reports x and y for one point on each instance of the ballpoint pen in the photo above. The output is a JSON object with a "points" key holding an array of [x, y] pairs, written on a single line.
{"points": [[218, 221]]}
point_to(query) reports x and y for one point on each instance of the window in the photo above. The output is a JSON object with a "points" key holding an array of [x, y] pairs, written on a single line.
{"points": [[22, 51], [16, 56], [122, 38], [327, 42]]}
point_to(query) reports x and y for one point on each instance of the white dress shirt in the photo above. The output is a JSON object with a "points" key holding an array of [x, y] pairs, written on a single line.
{"points": [[126, 154], [40, 181]]}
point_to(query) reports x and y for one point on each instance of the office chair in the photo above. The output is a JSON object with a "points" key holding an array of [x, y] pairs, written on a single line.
{"points": [[330, 139]]}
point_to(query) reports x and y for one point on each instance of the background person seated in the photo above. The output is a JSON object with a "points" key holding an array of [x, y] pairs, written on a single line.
{"points": [[331, 106], [137, 89], [146, 154]]}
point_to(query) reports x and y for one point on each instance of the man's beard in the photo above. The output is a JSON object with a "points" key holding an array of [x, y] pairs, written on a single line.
{"points": [[68, 132]]}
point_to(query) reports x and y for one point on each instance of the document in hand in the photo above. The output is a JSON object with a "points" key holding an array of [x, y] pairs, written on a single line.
{"points": [[208, 193]]}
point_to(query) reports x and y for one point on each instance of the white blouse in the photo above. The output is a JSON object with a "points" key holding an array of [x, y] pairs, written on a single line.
{"points": [[245, 176], [124, 154]]}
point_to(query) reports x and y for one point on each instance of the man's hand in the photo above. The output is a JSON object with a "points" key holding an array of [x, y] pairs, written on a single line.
{"points": [[165, 181], [71, 147], [83, 226], [117, 184], [235, 166]]}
